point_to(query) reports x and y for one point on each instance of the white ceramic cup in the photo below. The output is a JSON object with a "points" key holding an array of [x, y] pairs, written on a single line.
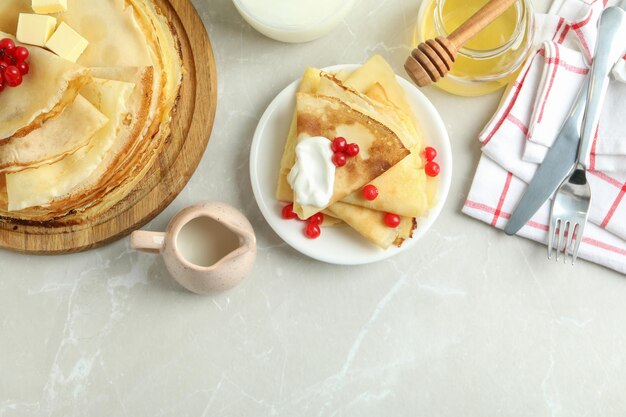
{"points": [[224, 274]]}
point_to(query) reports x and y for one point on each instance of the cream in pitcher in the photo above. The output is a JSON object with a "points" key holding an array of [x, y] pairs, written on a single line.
{"points": [[207, 248]]}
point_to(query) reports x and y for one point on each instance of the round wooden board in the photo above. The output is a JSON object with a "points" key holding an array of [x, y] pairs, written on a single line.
{"points": [[191, 127]]}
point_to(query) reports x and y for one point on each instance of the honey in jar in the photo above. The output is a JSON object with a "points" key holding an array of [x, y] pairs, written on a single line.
{"points": [[492, 58]]}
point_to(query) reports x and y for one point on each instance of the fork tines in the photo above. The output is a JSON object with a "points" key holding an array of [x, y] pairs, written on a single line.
{"points": [[568, 236]]}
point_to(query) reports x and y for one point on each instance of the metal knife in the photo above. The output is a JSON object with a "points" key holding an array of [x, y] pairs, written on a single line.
{"points": [[557, 164]]}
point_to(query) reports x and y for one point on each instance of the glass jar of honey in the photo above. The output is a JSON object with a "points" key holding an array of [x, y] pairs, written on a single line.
{"points": [[493, 57]]}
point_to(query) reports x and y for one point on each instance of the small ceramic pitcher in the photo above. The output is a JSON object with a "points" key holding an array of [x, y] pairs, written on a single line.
{"points": [[226, 272]]}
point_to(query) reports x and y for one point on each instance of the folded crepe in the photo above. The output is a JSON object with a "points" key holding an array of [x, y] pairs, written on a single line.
{"points": [[370, 224], [329, 117], [56, 138], [377, 71], [84, 178], [42, 185], [407, 190], [403, 189], [309, 84], [384, 113], [51, 84]]}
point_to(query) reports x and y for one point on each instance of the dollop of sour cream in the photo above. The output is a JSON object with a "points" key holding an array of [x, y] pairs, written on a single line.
{"points": [[312, 177]]}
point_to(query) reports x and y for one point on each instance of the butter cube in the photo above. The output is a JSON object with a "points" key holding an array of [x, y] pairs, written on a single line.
{"points": [[35, 29], [49, 6], [67, 43]]}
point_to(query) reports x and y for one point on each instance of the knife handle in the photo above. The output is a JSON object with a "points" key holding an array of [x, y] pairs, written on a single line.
{"points": [[609, 45]]}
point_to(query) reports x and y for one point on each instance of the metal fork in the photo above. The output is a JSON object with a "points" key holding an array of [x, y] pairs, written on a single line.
{"points": [[570, 206], [570, 210]]}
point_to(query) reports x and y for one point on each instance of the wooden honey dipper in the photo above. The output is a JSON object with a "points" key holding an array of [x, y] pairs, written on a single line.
{"points": [[432, 60]]}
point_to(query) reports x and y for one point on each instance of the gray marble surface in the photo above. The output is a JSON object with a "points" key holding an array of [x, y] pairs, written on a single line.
{"points": [[468, 323]]}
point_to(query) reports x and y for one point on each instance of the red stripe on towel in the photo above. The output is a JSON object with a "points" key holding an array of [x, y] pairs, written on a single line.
{"points": [[576, 28], [607, 178], [552, 77], [569, 67], [605, 246], [505, 190], [580, 24], [563, 34], [540, 226], [558, 27], [614, 207], [592, 156], [517, 122], [517, 86]]}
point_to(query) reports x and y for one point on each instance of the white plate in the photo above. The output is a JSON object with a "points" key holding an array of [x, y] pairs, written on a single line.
{"points": [[336, 245]]}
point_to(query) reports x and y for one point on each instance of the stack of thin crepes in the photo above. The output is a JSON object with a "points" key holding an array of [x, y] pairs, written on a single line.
{"points": [[370, 108], [75, 139]]}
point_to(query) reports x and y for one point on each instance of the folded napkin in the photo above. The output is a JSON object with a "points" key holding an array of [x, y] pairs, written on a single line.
{"points": [[560, 73], [528, 121], [494, 195]]}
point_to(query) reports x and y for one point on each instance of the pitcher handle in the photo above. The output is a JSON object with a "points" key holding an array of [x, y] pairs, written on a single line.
{"points": [[150, 242]]}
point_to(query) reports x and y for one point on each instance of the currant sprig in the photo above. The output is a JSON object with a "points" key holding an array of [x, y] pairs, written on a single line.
{"points": [[13, 65]]}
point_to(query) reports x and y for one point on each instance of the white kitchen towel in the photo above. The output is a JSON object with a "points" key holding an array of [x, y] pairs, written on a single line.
{"points": [[502, 174], [494, 195], [505, 137], [561, 75], [580, 18]]}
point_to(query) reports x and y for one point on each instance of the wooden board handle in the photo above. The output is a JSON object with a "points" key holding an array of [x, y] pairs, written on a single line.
{"points": [[480, 20]]}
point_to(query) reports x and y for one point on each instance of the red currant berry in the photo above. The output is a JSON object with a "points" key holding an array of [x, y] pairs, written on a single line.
{"points": [[8, 45], [2, 86], [317, 218], [352, 149], [430, 153], [339, 144], [370, 192], [21, 54], [432, 169], [288, 213], [23, 67], [312, 231], [392, 220], [3, 67], [339, 159], [15, 83], [13, 76]]}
